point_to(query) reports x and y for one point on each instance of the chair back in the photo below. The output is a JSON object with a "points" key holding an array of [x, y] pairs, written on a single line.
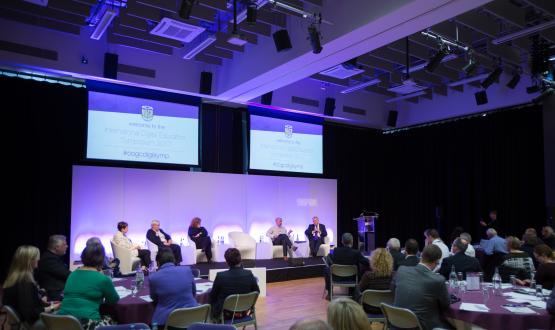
{"points": [[183, 317], [136, 326], [12, 318], [153, 249], [240, 302], [126, 258], [344, 270], [375, 298], [196, 272], [400, 317], [55, 322], [209, 326]]}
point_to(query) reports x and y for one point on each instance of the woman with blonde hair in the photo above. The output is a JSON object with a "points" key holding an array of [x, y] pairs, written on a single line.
{"points": [[379, 276], [20, 289], [347, 314]]}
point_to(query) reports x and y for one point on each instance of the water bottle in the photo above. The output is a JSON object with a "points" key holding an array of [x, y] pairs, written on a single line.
{"points": [[496, 280], [222, 241], [453, 280], [297, 239], [154, 326], [181, 243], [139, 278]]}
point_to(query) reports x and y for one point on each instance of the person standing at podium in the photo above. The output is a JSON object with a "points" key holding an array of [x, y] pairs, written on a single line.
{"points": [[280, 236], [315, 233]]}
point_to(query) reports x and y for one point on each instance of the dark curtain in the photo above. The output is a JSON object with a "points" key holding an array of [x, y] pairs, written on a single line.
{"points": [[43, 134]]}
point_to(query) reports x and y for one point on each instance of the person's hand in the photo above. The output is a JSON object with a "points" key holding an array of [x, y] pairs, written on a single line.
{"points": [[170, 242], [483, 223], [54, 305], [521, 282], [44, 299], [290, 231], [167, 243]]}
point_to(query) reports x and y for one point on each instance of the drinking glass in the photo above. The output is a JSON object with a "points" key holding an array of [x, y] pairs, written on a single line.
{"points": [[539, 291], [512, 280], [485, 294], [133, 288]]}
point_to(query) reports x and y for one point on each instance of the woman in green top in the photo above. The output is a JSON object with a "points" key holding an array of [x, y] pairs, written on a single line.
{"points": [[86, 288]]}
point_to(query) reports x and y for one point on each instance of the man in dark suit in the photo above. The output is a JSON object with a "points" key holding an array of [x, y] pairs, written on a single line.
{"points": [[315, 233], [411, 250], [236, 280], [394, 247], [52, 271], [171, 287], [423, 291], [161, 239], [345, 255], [460, 260]]}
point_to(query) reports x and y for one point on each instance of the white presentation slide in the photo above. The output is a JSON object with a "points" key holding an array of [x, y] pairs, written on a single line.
{"points": [[285, 145], [134, 129]]}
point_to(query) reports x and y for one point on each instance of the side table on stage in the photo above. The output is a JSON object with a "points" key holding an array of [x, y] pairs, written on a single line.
{"points": [[366, 231]]}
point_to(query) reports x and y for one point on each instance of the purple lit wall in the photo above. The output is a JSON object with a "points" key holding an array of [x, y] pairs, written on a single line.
{"points": [[102, 196]]}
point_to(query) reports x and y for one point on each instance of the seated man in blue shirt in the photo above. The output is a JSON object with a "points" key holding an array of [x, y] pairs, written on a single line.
{"points": [[494, 243]]}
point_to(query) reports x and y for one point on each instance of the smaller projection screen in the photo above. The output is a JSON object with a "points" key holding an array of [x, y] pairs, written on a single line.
{"points": [[126, 128], [285, 145]]}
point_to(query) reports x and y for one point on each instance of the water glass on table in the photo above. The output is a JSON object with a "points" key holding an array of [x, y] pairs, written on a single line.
{"points": [[512, 280], [539, 291], [485, 294]]}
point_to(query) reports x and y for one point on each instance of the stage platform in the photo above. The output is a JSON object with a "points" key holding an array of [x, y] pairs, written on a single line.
{"points": [[277, 270]]}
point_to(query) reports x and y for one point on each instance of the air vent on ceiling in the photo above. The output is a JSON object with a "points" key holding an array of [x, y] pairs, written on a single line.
{"points": [[28, 50], [341, 72], [355, 111], [303, 101], [408, 86], [172, 29]]}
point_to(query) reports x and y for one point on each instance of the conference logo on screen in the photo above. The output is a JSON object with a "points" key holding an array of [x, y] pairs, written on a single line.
{"points": [[289, 131], [147, 112]]}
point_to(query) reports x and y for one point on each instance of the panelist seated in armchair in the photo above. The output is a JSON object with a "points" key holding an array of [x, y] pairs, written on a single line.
{"points": [[315, 233], [120, 239], [161, 239], [199, 235], [280, 236]]}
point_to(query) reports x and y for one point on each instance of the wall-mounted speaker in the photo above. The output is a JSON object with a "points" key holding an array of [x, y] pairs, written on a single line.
{"points": [[266, 98], [329, 106], [481, 97], [392, 118], [111, 66], [282, 40], [205, 83]]}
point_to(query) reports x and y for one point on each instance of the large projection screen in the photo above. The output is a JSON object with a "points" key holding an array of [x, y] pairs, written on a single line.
{"points": [[102, 196]]}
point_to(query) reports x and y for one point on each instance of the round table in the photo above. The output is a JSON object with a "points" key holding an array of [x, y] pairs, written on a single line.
{"points": [[137, 310], [498, 317]]}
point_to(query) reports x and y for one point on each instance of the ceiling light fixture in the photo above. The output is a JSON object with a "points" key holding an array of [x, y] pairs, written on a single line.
{"points": [[436, 60], [468, 80], [492, 77], [301, 12], [252, 10], [514, 80], [472, 65], [361, 86], [404, 97]]}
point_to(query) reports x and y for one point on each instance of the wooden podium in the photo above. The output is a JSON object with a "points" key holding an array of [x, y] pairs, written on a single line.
{"points": [[366, 223]]}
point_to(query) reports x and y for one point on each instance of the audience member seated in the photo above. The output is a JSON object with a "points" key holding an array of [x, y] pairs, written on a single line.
{"points": [[423, 291], [86, 288], [548, 236], [432, 237], [529, 241], [310, 324], [161, 239], [236, 280], [551, 303], [199, 235], [394, 247], [470, 251], [171, 287], [494, 243], [460, 260], [20, 290], [52, 271], [516, 262], [107, 264], [315, 233], [545, 275], [279, 235], [344, 255], [120, 239], [379, 276], [346, 314], [411, 253]]}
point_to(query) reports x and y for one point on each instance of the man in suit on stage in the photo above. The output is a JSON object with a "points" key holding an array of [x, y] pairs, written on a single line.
{"points": [[52, 271], [236, 280], [460, 260], [315, 233], [161, 239], [422, 291]]}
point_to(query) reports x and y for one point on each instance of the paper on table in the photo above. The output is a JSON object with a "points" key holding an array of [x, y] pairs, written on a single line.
{"points": [[116, 279], [203, 287], [539, 304], [518, 301], [474, 307], [146, 298], [527, 297], [122, 291], [520, 310]]}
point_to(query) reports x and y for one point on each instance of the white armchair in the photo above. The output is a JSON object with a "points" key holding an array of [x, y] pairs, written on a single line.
{"points": [[277, 250], [244, 243], [127, 261], [197, 255], [324, 249], [153, 250]]}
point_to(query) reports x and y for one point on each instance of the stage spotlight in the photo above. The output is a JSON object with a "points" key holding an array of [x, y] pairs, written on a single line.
{"points": [[185, 9], [493, 77], [545, 94], [481, 97], [252, 10], [435, 61], [514, 81], [314, 36], [470, 68]]}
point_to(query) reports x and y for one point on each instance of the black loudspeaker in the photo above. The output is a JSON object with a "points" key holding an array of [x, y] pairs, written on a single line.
{"points": [[295, 262], [481, 97], [329, 107], [111, 66], [248, 263], [392, 118], [282, 40], [266, 98], [205, 83]]}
